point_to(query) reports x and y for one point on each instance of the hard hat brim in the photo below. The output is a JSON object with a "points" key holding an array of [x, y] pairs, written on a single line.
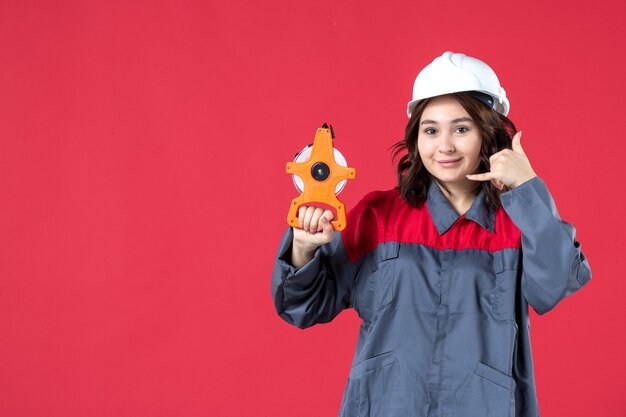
{"points": [[500, 107]]}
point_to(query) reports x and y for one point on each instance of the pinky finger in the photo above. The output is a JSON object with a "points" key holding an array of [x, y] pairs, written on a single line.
{"points": [[487, 176]]}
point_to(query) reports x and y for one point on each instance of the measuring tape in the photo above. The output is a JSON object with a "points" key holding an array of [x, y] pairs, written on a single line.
{"points": [[320, 172]]}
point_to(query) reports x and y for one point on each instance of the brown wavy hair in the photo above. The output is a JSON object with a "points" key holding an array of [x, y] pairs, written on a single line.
{"points": [[413, 178]]}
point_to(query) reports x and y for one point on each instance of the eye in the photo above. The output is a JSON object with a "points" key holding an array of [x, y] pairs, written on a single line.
{"points": [[430, 131], [462, 129]]}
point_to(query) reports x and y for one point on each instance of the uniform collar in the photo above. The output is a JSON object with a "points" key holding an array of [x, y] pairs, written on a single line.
{"points": [[444, 215]]}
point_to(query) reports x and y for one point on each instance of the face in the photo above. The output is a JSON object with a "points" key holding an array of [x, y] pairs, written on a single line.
{"points": [[449, 143]]}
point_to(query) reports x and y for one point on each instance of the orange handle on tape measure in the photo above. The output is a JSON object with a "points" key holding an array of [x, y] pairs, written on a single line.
{"points": [[320, 191]]}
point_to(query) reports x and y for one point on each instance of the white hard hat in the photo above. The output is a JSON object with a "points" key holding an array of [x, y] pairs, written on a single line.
{"points": [[454, 73]]}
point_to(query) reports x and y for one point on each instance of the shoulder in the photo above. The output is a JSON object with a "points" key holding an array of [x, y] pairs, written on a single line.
{"points": [[369, 221], [376, 208], [378, 201]]}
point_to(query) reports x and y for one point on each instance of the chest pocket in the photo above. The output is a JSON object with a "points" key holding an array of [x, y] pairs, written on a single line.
{"points": [[383, 273], [506, 266]]}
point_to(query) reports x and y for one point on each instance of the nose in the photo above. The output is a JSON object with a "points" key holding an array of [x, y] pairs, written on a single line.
{"points": [[447, 144]]}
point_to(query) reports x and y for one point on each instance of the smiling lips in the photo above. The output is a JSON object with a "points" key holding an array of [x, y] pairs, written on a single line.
{"points": [[446, 163]]}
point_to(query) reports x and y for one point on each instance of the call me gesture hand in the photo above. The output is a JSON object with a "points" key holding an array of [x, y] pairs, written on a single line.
{"points": [[509, 167]]}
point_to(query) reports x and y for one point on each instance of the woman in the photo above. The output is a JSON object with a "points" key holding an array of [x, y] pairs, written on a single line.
{"points": [[441, 269]]}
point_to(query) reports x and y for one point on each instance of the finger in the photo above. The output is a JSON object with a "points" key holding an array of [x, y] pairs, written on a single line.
{"points": [[497, 184], [329, 215], [493, 159], [301, 212], [327, 228], [517, 143], [313, 227], [306, 223], [487, 176]]}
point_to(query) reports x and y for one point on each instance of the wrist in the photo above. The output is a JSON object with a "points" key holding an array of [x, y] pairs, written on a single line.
{"points": [[301, 255], [525, 179], [303, 249]]}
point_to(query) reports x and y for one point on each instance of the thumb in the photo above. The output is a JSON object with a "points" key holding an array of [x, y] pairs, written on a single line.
{"points": [[327, 217], [517, 144], [327, 228]]}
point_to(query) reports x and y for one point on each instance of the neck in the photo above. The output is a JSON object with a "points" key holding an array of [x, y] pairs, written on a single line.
{"points": [[460, 196]]}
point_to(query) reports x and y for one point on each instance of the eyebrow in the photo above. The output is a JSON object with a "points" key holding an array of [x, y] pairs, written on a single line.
{"points": [[459, 120]]}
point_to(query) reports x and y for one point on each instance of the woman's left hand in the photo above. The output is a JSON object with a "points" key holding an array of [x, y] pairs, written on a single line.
{"points": [[509, 167]]}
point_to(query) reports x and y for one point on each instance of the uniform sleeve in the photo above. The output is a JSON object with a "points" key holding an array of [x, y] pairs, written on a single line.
{"points": [[316, 292], [553, 265]]}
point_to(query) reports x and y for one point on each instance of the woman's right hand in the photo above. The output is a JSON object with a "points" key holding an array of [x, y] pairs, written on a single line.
{"points": [[315, 230]]}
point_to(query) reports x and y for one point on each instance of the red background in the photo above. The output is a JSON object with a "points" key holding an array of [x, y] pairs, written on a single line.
{"points": [[143, 193]]}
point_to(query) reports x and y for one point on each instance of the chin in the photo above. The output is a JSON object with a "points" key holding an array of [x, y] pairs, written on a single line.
{"points": [[452, 179]]}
